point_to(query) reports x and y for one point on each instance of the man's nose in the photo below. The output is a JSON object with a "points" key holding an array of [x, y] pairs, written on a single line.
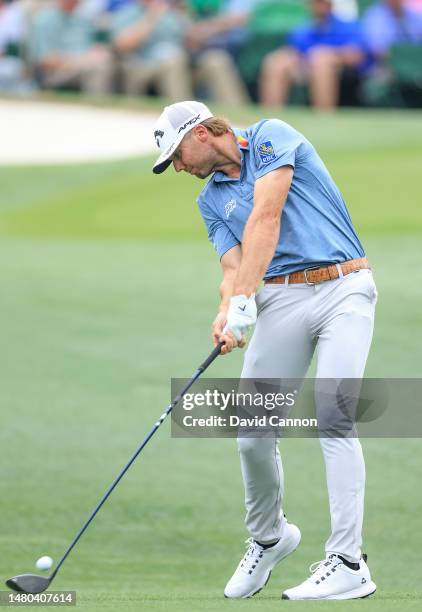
{"points": [[178, 165]]}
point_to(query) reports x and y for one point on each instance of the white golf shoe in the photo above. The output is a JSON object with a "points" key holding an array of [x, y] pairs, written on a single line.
{"points": [[332, 579], [254, 570]]}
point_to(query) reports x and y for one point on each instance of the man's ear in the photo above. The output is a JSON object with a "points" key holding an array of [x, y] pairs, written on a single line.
{"points": [[201, 133]]}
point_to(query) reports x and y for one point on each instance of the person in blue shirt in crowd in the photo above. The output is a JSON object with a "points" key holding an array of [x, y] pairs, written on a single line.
{"points": [[389, 23], [316, 53]]}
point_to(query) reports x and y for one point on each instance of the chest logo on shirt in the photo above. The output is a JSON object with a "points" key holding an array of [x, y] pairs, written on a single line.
{"points": [[229, 207], [266, 152]]}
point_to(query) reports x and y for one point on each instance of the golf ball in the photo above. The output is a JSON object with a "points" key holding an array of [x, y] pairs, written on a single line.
{"points": [[44, 563]]}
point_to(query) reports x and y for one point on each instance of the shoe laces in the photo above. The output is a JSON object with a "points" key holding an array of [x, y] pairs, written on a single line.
{"points": [[252, 556], [321, 570]]}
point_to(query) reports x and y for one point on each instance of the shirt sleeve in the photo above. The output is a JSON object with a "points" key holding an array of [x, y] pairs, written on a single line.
{"points": [[300, 39], [377, 30], [124, 18], [13, 27], [275, 145], [219, 234], [353, 35], [44, 37]]}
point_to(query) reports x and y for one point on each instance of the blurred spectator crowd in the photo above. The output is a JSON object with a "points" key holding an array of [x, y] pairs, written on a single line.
{"points": [[319, 52]]}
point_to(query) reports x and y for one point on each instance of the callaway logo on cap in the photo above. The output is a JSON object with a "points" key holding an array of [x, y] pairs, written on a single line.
{"points": [[173, 125]]}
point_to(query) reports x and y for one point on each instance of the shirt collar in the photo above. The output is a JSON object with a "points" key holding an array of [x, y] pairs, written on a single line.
{"points": [[243, 144]]}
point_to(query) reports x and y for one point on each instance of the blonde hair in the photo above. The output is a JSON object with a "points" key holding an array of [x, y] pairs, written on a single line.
{"points": [[217, 126]]}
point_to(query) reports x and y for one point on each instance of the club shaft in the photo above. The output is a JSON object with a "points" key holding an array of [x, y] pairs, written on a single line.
{"points": [[114, 484]]}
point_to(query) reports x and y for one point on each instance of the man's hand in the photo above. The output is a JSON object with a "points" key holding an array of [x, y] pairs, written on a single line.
{"points": [[197, 36], [241, 316], [218, 335]]}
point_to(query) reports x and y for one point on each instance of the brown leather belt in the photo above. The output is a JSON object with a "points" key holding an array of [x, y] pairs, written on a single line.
{"points": [[313, 276]]}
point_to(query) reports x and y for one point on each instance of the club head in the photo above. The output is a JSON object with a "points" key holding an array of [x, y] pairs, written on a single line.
{"points": [[28, 583]]}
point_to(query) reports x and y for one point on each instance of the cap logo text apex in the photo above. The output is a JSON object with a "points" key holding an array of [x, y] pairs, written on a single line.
{"points": [[190, 122]]}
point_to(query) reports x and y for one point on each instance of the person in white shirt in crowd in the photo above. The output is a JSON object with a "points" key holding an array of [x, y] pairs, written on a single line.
{"points": [[12, 32]]}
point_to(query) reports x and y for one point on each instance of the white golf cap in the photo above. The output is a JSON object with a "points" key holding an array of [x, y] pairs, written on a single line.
{"points": [[173, 125]]}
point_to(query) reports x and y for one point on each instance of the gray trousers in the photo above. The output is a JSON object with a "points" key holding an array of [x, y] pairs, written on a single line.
{"points": [[335, 317]]}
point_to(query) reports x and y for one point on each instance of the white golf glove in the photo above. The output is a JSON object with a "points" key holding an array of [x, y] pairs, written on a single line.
{"points": [[241, 315]]}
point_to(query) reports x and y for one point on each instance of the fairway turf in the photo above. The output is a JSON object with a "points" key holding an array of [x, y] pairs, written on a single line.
{"points": [[108, 290]]}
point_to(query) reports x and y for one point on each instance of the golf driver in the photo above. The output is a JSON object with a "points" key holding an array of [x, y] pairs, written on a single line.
{"points": [[31, 583]]}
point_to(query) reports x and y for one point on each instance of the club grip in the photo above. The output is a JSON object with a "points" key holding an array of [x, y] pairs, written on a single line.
{"points": [[208, 361]]}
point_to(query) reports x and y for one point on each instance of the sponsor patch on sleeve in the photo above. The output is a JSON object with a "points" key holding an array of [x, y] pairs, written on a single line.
{"points": [[266, 152]]}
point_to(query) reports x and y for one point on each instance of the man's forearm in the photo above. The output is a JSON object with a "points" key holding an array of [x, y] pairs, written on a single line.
{"points": [[135, 36], [226, 290], [54, 61], [262, 231], [259, 242], [225, 23]]}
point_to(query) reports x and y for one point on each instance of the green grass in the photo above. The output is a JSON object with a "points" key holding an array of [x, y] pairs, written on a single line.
{"points": [[374, 157], [108, 289]]}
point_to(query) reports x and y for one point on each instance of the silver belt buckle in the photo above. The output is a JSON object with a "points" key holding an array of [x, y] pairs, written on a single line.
{"points": [[308, 282]]}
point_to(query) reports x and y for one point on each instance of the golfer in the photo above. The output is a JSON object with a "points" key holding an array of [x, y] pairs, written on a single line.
{"points": [[274, 214]]}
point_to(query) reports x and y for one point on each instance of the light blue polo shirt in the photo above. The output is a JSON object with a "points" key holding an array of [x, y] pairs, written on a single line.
{"points": [[316, 228]]}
